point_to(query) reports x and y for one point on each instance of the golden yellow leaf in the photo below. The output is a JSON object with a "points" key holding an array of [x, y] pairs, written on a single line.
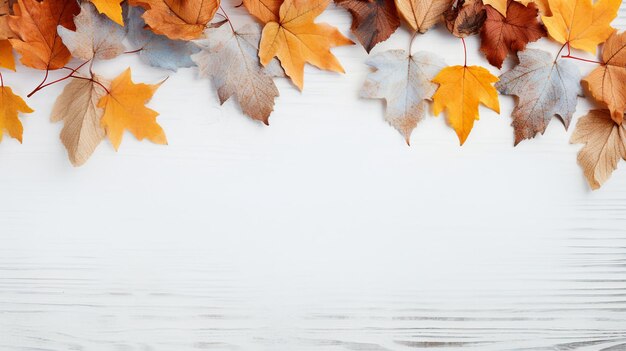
{"points": [[264, 10], [10, 106], [111, 9], [178, 19], [461, 89], [6, 55], [580, 22], [124, 109], [295, 39]]}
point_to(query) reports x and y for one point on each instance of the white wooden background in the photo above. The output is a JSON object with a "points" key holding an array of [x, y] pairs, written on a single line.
{"points": [[323, 231]]}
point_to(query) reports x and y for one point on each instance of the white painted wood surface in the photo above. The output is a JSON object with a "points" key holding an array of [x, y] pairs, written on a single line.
{"points": [[323, 231]]}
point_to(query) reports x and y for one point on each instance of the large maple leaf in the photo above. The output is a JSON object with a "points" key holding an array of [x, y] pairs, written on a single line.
{"points": [[461, 89], [178, 19], [501, 35], [295, 39], [605, 145], [35, 24], [124, 109], [372, 21], [581, 23], [545, 88], [607, 82]]}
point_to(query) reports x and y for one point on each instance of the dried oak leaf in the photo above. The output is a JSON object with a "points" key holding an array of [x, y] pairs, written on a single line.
{"points": [[544, 88], [156, 50], [605, 145], [405, 83], [77, 107], [264, 10], [373, 21], [124, 109], [581, 23], [231, 60], [110, 8], [35, 25], [465, 18], [461, 89], [607, 82], [178, 19], [295, 39], [501, 35], [96, 36], [10, 106], [422, 14]]}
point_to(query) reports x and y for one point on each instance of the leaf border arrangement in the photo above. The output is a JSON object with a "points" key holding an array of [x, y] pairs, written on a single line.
{"points": [[242, 61]]}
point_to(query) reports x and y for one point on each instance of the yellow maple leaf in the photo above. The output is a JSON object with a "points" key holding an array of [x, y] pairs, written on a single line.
{"points": [[295, 39], [111, 9], [124, 109], [10, 106], [461, 89], [581, 23]]}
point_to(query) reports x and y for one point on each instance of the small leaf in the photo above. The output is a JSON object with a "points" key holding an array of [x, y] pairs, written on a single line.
{"points": [[96, 36], [264, 10], [157, 50], [231, 60], [605, 145], [606, 82], [501, 35], [372, 21], [544, 88], [124, 109], [405, 84], [77, 107], [422, 14], [110, 8], [465, 18], [6, 55], [461, 89], [10, 106]]}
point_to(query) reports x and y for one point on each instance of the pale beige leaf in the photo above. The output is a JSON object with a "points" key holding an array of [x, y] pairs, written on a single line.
{"points": [[78, 108], [422, 14], [605, 144]]}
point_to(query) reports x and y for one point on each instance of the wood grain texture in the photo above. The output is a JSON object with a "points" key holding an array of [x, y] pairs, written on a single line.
{"points": [[323, 231]]}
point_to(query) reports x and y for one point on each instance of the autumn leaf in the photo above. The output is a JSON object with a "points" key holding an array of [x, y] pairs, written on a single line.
{"points": [[35, 25], [465, 18], [95, 37], [372, 21], [110, 8], [77, 107], [231, 60], [156, 50], [501, 35], [502, 5], [405, 83], [124, 109], [606, 82], [605, 144], [264, 10], [461, 89], [6, 55], [178, 19], [544, 88], [10, 106], [422, 14], [580, 23], [5, 11], [296, 39]]}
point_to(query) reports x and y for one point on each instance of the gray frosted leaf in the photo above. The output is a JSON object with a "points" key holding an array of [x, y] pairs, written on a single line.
{"points": [[96, 36], [544, 89], [231, 61], [156, 50], [405, 83]]}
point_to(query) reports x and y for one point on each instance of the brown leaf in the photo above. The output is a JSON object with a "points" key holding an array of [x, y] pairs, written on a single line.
{"points": [[465, 18], [5, 11], [422, 14], [605, 144], [606, 83], [501, 35], [77, 107], [35, 24], [372, 21]]}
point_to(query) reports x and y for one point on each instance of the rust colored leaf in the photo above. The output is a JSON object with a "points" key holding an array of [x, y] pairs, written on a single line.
{"points": [[372, 21], [503, 35]]}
